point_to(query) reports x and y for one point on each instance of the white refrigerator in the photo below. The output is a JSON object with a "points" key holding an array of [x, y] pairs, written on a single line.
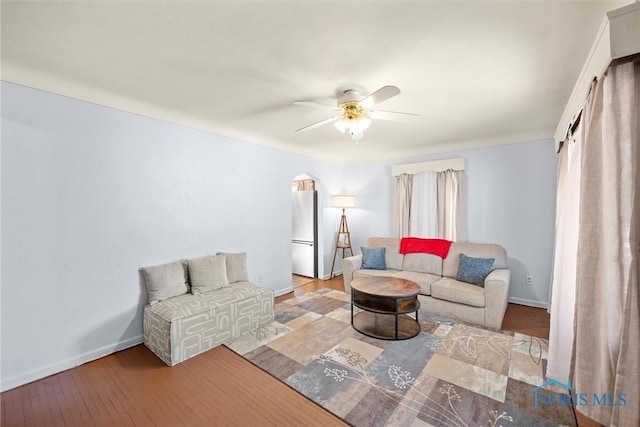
{"points": [[304, 248]]}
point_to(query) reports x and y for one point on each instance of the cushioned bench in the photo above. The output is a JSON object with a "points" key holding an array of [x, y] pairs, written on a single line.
{"points": [[181, 326]]}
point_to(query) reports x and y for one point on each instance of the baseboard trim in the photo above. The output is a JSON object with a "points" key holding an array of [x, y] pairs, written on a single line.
{"points": [[54, 368], [529, 302], [335, 273], [283, 291]]}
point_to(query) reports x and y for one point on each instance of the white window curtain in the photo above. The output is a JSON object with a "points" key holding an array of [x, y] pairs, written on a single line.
{"points": [[563, 291], [431, 204], [424, 205], [403, 204], [451, 205]]}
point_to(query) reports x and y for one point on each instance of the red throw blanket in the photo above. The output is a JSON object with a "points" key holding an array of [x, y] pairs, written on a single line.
{"points": [[412, 245]]}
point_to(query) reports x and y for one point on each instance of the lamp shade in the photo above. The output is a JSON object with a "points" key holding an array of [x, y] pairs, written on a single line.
{"points": [[343, 201]]}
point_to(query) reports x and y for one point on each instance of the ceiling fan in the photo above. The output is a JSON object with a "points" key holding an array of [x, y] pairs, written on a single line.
{"points": [[354, 111]]}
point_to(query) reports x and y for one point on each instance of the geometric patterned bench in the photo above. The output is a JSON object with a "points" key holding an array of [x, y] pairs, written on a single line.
{"points": [[181, 327]]}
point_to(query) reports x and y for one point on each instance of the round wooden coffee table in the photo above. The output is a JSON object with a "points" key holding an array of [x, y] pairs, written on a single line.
{"points": [[386, 303]]}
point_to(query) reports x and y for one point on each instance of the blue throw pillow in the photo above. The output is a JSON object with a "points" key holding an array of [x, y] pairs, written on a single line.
{"points": [[474, 270], [373, 258]]}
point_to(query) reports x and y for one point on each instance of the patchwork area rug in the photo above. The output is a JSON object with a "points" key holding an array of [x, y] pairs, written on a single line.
{"points": [[451, 374]]}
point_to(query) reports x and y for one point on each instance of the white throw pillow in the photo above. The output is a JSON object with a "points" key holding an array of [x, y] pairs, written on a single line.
{"points": [[236, 266], [165, 281], [207, 273]]}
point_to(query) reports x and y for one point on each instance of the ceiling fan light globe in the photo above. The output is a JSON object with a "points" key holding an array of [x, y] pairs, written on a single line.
{"points": [[354, 125], [340, 126], [361, 124], [356, 136]]}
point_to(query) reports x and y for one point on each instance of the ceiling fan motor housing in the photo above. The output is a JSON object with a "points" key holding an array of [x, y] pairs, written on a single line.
{"points": [[352, 110], [350, 96]]}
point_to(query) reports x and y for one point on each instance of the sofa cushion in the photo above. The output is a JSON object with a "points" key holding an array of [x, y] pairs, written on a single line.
{"points": [[166, 280], [455, 291], [373, 258], [477, 250], [474, 270], [189, 305], [368, 273], [423, 263], [424, 280], [392, 256], [207, 274], [236, 266]]}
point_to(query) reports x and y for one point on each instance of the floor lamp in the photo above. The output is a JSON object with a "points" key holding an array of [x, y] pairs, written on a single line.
{"points": [[343, 240]]}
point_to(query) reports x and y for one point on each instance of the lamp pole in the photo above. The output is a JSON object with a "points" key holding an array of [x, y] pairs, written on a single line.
{"points": [[343, 239]]}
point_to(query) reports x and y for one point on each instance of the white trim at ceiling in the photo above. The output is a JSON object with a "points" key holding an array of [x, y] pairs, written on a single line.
{"points": [[618, 36], [597, 62]]}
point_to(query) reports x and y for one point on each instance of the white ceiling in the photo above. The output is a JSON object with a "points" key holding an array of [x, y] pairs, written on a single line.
{"points": [[478, 73]]}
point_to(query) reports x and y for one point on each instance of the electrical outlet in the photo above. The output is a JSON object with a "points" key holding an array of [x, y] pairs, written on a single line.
{"points": [[260, 278], [530, 280]]}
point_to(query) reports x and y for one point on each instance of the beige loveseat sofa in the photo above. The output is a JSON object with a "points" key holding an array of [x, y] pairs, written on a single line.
{"points": [[441, 293], [197, 304]]}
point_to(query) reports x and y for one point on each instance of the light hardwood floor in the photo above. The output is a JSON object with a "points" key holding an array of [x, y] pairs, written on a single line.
{"points": [[133, 387], [300, 280]]}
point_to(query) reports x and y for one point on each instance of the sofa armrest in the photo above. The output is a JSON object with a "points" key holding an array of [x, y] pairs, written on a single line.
{"points": [[349, 265], [496, 287]]}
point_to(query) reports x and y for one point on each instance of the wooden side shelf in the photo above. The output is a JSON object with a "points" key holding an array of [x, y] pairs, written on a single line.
{"points": [[383, 326]]}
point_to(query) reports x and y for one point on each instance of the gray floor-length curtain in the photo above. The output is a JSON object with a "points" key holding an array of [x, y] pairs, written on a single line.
{"points": [[403, 204], [606, 356]]}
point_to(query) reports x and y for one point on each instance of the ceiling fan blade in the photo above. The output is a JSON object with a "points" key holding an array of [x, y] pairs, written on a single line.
{"points": [[382, 94], [318, 124], [394, 116], [316, 105]]}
